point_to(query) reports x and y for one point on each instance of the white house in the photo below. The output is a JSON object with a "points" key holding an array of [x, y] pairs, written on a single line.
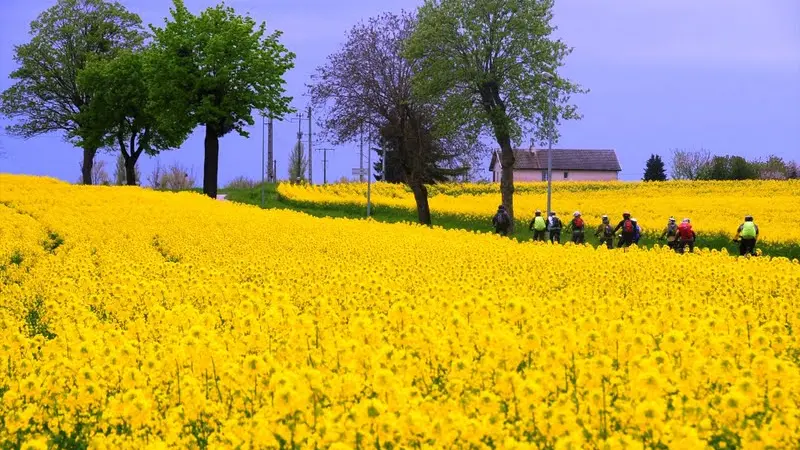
{"points": [[568, 165]]}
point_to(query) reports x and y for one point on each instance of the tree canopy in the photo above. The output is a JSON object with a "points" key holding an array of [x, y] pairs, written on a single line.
{"points": [[45, 96], [493, 66], [214, 69], [121, 113]]}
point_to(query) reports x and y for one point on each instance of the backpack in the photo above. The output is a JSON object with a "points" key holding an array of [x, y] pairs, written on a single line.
{"points": [[539, 224], [555, 224], [628, 227], [501, 220], [748, 230], [685, 231], [672, 229], [578, 223], [608, 231]]}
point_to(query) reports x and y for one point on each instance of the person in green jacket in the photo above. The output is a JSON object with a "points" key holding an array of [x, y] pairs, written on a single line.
{"points": [[746, 236], [538, 226]]}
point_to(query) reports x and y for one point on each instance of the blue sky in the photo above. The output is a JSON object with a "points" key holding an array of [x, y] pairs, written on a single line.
{"points": [[718, 74]]}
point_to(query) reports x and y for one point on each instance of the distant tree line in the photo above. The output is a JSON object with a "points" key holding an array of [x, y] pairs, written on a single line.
{"points": [[703, 165]]}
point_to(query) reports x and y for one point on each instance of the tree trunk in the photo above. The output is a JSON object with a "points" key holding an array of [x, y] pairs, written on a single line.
{"points": [[507, 177], [421, 197], [88, 163], [211, 162], [130, 169]]}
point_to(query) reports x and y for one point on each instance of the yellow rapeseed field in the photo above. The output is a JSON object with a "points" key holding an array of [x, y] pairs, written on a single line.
{"points": [[713, 206], [141, 320]]}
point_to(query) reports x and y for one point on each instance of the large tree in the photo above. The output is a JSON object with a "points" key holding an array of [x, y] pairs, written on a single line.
{"points": [[45, 97], [367, 84], [690, 164], [494, 66], [122, 114], [214, 69]]}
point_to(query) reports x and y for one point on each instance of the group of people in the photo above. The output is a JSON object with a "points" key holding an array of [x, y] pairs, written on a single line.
{"points": [[679, 237]]}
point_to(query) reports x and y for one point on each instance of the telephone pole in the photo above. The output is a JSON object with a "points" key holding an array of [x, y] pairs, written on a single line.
{"points": [[262, 160], [310, 165], [270, 154], [325, 163], [361, 159]]}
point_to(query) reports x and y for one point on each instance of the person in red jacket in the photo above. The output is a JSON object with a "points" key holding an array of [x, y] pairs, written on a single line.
{"points": [[686, 237]]}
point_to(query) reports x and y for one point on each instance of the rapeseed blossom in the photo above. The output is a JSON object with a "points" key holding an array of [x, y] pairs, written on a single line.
{"points": [[713, 206], [137, 319]]}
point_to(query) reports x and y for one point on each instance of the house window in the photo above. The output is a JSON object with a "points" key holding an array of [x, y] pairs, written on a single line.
{"points": [[566, 175]]}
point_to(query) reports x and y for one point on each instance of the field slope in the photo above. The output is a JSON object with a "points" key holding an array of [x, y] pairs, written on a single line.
{"points": [[137, 319]]}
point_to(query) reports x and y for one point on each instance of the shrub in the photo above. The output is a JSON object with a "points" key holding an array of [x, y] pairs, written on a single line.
{"points": [[241, 182]]}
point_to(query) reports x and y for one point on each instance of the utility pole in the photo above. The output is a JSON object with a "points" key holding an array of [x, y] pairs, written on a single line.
{"points": [[369, 178], [552, 123], [361, 157], [325, 163], [310, 165], [262, 160], [271, 176]]}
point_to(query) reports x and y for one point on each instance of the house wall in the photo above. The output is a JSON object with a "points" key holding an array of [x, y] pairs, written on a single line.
{"points": [[587, 175], [558, 175]]}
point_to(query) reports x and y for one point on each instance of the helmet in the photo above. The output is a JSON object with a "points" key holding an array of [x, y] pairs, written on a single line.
{"points": [[672, 219], [604, 216], [626, 214], [577, 213], [748, 218], [686, 220], [538, 212], [552, 213], [501, 207]]}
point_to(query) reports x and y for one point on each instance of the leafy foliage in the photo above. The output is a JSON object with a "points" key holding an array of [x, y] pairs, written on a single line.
{"points": [[46, 96], [654, 171], [214, 69], [122, 113]]}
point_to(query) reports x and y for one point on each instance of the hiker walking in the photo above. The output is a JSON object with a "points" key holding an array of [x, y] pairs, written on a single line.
{"points": [[577, 226], [746, 236], [637, 231], [686, 237], [554, 228], [670, 233], [628, 230], [538, 226], [605, 233], [501, 221]]}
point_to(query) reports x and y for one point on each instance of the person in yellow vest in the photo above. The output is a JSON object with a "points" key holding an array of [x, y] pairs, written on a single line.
{"points": [[746, 236], [539, 226]]}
